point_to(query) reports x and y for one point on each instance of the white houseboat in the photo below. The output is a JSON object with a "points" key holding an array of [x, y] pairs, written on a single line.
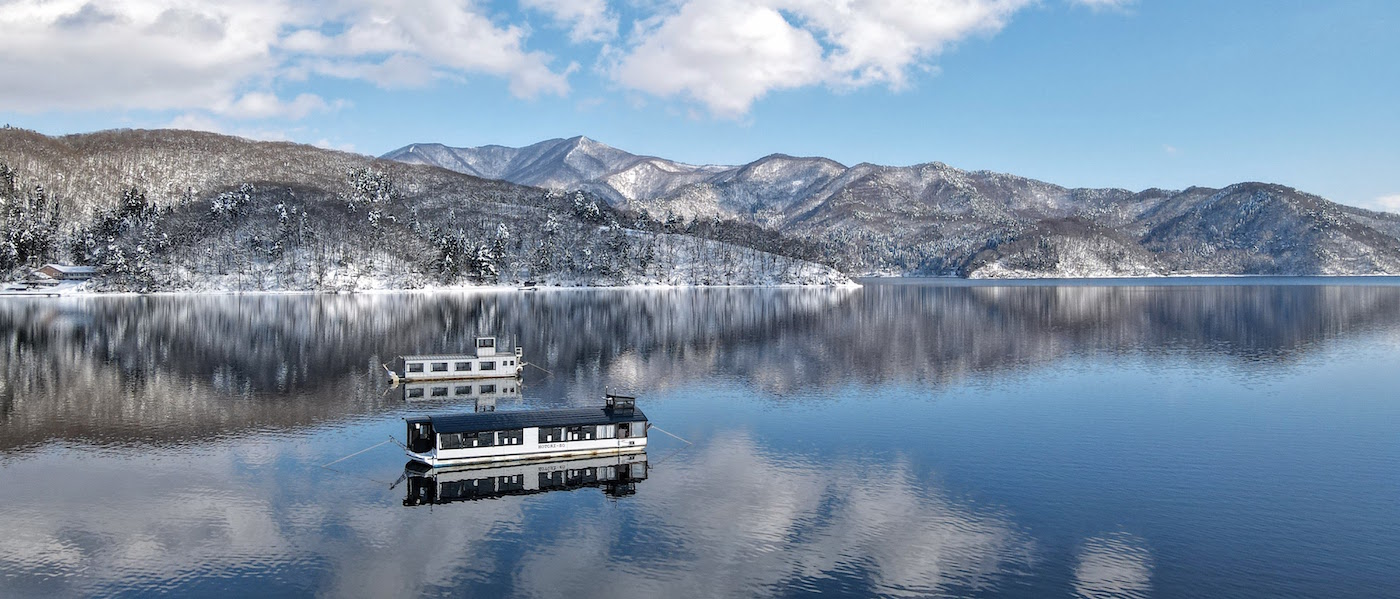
{"points": [[489, 361], [496, 437], [617, 475]]}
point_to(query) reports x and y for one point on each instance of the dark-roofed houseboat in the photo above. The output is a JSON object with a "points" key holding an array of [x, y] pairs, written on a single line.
{"points": [[487, 437]]}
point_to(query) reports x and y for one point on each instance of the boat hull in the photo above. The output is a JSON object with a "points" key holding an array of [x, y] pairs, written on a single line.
{"points": [[434, 460], [419, 377]]}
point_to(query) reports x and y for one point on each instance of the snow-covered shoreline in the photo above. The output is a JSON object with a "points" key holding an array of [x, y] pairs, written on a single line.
{"points": [[80, 290]]}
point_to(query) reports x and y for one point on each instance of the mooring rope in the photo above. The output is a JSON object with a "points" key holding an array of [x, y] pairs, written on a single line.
{"points": [[327, 464], [539, 367], [670, 433]]}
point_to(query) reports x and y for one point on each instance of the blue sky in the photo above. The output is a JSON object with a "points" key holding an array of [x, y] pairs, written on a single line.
{"points": [[1121, 93]]}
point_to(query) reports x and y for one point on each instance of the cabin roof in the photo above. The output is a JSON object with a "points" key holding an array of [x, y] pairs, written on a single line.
{"points": [[448, 357], [499, 421]]}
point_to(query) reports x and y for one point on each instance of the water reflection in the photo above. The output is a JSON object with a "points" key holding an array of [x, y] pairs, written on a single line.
{"points": [[173, 445], [728, 519], [859, 526], [616, 475], [479, 395], [167, 368], [1114, 566]]}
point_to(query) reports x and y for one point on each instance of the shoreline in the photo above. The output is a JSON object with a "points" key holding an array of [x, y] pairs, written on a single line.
{"points": [[54, 293], [855, 283]]}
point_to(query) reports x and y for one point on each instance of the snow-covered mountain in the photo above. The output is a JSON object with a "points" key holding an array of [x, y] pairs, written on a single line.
{"points": [[637, 182], [936, 219], [185, 210]]}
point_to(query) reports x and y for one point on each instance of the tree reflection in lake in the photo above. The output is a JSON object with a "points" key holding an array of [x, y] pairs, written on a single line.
{"points": [[117, 369]]}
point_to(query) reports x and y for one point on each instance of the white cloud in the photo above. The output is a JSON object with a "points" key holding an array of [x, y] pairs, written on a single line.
{"points": [[725, 54], [330, 145], [1390, 203], [588, 20], [230, 59], [149, 54], [203, 122], [225, 57], [262, 105], [431, 39]]}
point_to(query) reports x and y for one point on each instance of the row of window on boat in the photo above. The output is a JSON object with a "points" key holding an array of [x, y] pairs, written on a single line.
{"points": [[417, 367], [442, 390]]}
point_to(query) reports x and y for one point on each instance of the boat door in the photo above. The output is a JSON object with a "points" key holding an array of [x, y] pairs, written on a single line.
{"points": [[420, 437]]}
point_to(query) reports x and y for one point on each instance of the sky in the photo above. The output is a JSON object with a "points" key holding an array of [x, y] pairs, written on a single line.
{"points": [[1082, 93]]}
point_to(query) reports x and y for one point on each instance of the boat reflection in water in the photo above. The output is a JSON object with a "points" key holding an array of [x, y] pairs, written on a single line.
{"points": [[487, 393], [616, 475]]}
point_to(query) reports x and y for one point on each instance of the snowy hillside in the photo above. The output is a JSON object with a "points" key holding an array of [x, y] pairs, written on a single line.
{"points": [[934, 219], [179, 210]]}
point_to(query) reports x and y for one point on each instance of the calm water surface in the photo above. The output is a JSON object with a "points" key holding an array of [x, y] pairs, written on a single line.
{"points": [[1206, 439]]}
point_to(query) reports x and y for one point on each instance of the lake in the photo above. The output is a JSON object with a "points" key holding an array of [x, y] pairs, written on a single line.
{"points": [[1220, 438]]}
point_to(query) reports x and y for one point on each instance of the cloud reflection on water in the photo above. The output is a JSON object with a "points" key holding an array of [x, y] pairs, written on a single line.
{"points": [[1118, 565], [728, 519]]}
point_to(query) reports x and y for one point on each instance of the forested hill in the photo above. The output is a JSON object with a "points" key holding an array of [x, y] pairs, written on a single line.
{"points": [[182, 210], [933, 219]]}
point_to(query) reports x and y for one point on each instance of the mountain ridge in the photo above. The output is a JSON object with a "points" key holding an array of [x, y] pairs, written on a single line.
{"points": [[933, 218], [184, 210]]}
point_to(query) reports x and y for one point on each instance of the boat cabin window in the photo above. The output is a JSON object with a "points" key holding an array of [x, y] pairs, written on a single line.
{"points": [[582, 433], [466, 440], [486, 342], [415, 392], [551, 434], [464, 366], [631, 429], [439, 391], [488, 389], [488, 365], [512, 437], [439, 366], [415, 367], [462, 390]]}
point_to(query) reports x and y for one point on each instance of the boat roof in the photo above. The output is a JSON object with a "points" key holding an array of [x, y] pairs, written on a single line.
{"points": [[499, 421], [450, 357]]}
